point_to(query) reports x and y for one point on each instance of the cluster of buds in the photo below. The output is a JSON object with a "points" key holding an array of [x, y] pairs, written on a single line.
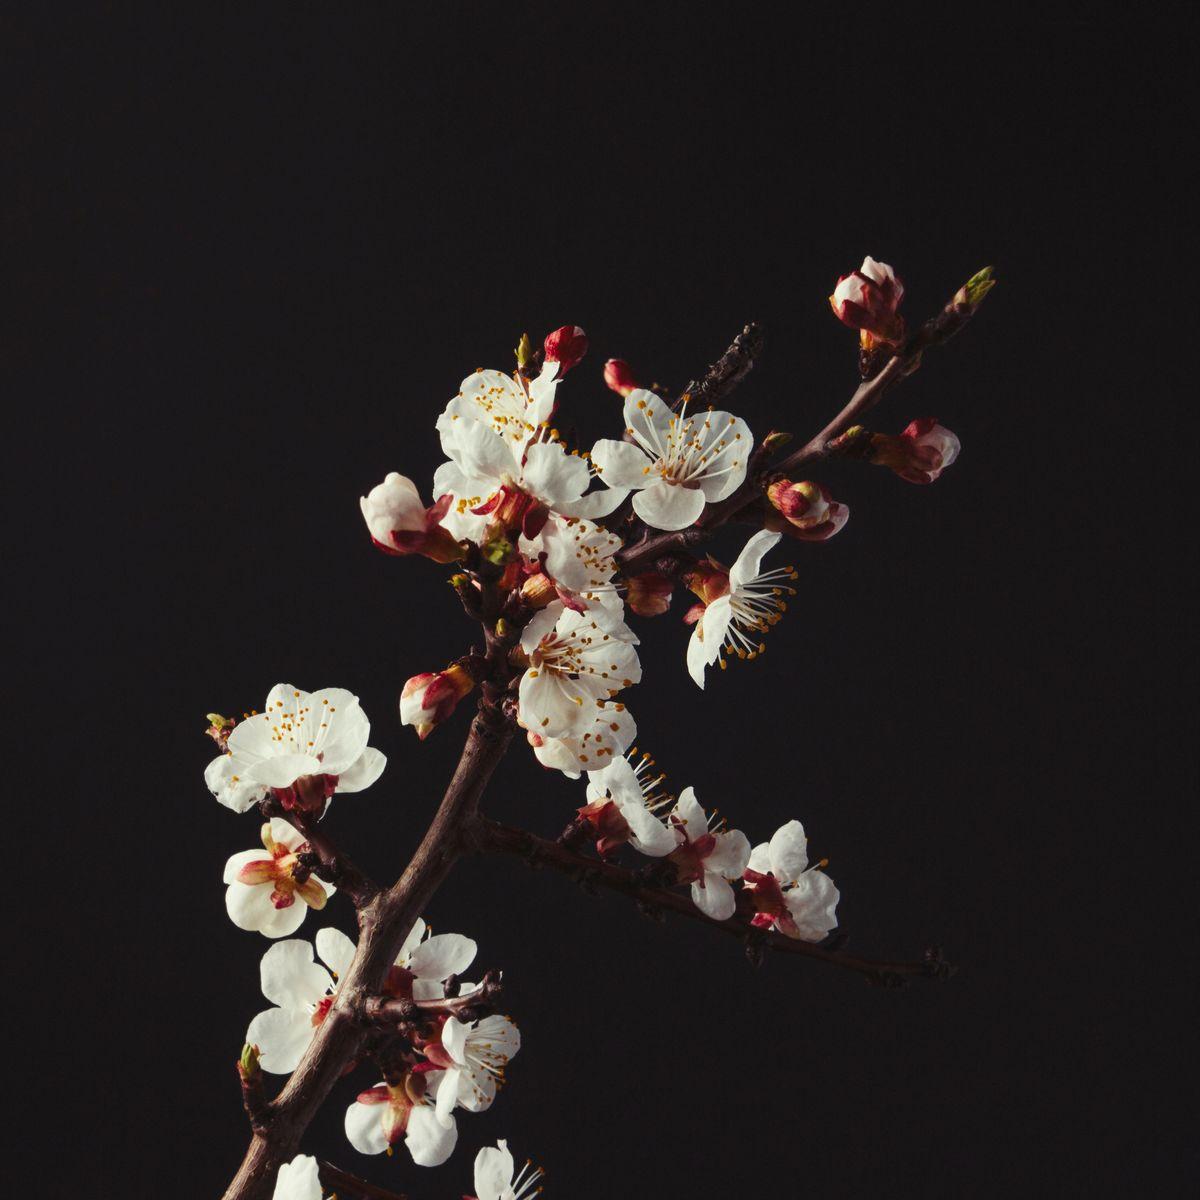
{"points": [[804, 510], [399, 522], [920, 454], [868, 300], [429, 698]]}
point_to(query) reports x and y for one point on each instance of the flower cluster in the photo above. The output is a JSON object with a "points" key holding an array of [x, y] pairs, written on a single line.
{"points": [[557, 547]]}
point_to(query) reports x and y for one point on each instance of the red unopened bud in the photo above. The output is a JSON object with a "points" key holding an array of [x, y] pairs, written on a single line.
{"points": [[618, 374], [428, 699], [649, 595], [920, 454], [808, 511], [565, 346], [868, 300]]}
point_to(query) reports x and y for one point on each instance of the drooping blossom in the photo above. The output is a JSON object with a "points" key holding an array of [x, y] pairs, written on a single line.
{"points": [[753, 603], [496, 1177], [618, 375], [623, 802], [796, 899], [428, 699], [577, 662], [303, 747], [565, 346], [920, 454], [707, 858], [868, 300], [675, 462], [384, 1114], [474, 1056], [302, 993], [611, 733], [298, 1180], [805, 511], [400, 523], [263, 893]]}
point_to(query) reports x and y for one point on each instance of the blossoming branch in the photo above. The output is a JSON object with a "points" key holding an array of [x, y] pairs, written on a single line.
{"points": [[563, 557]]}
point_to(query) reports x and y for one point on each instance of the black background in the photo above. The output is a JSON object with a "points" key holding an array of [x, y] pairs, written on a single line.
{"points": [[272, 244]]}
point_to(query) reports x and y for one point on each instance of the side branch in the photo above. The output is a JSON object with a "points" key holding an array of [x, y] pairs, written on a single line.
{"points": [[730, 369], [390, 1010], [349, 1186], [594, 872]]}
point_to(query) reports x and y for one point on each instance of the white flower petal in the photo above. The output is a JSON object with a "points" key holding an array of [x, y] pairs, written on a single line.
{"points": [[336, 949], [282, 1035], [366, 769], [788, 852], [553, 475], [298, 1180], [289, 976], [411, 942], [715, 899], [493, 1171], [430, 1139], [442, 955], [622, 465], [364, 1127], [746, 568], [232, 789], [689, 811], [669, 506], [730, 855]]}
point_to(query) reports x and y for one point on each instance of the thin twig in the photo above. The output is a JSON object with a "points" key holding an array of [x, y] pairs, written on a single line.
{"points": [[595, 873], [347, 1184]]}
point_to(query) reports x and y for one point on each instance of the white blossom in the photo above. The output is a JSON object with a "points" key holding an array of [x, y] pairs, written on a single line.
{"points": [[495, 436], [297, 737], [384, 1114], [752, 604], [477, 1054], [798, 900], [632, 790], [577, 662], [676, 463], [707, 859], [495, 1177], [263, 894], [608, 737], [301, 991]]}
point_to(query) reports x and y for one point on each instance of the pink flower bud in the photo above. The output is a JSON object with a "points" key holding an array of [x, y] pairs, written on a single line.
{"points": [[428, 699], [805, 511], [920, 454], [618, 374], [649, 595], [868, 300], [399, 522], [565, 346]]}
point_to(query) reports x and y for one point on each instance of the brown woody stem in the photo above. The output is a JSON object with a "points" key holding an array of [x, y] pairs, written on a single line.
{"points": [[349, 1186], [594, 872], [385, 922]]}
